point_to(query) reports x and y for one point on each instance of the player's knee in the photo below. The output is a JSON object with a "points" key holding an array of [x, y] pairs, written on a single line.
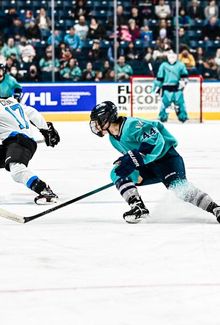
{"points": [[17, 170]]}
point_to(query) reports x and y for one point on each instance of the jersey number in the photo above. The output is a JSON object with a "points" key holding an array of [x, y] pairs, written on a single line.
{"points": [[23, 124]]}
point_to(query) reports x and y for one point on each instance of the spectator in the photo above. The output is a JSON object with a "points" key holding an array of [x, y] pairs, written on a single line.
{"points": [[81, 28], [27, 51], [149, 63], [98, 76], [96, 54], [136, 16], [183, 37], [47, 66], [121, 18], [8, 19], [211, 30], [14, 72], [146, 35], [123, 70], [73, 40], [110, 53], [106, 69], [188, 59], [160, 53], [163, 29], [210, 69], [96, 30], [134, 30], [217, 62], [110, 76], [33, 32], [131, 53], [88, 73], [211, 10], [65, 55], [28, 18], [16, 28], [32, 74], [10, 48], [146, 9], [162, 10], [71, 72], [80, 9], [200, 59], [195, 10], [58, 37], [10, 62], [124, 34], [44, 23], [184, 19]]}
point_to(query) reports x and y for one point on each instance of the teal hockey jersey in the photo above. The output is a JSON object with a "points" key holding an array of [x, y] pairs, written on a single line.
{"points": [[8, 85], [170, 74], [136, 133]]}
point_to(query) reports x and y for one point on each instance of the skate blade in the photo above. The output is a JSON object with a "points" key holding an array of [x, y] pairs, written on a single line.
{"points": [[132, 220], [45, 201]]}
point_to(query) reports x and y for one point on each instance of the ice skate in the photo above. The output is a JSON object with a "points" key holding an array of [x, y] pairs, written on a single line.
{"points": [[46, 197], [216, 212], [138, 212]]}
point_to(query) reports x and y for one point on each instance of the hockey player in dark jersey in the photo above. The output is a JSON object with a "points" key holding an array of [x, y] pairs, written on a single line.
{"points": [[148, 157]]}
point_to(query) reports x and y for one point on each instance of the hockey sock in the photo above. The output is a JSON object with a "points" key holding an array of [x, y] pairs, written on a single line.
{"points": [[38, 186], [189, 193], [127, 189]]}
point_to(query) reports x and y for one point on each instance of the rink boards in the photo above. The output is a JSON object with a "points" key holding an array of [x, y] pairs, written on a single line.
{"points": [[74, 101]]}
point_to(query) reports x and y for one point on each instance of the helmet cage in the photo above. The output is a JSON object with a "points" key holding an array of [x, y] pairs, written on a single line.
{"points": [[102, 116]]}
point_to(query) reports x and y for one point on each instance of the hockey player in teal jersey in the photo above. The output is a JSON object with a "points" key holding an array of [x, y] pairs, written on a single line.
{"points": [[170, 82], [148, 157], [9, 87]]}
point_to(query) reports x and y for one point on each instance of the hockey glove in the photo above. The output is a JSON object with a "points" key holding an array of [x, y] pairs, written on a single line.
{"points": [[182, 84], [17, 95], [51, 135], [128, 163]]}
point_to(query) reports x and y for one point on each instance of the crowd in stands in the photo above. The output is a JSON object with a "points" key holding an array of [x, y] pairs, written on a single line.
{"points": [[84, 34]]}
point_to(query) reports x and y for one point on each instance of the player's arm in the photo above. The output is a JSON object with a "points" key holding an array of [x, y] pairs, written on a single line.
{"points": [[17, 89], [184, 75], [151, 144], [47, 129]]}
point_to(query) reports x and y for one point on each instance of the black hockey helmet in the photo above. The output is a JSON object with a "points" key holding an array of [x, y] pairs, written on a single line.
{"points": [[2, 67], [101, 114]]}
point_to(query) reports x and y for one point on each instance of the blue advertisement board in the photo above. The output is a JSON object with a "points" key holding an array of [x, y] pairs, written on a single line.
{"points": [[60, 97]]}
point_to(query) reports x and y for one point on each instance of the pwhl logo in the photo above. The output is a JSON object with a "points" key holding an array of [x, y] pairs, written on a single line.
{"points": [[44, 99]]}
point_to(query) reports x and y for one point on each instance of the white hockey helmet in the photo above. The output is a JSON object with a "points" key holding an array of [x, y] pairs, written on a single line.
{"points": [[171, 57]]}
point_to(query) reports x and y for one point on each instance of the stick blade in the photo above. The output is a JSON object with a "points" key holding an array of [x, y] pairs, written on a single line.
{"points": [[11, 216]]}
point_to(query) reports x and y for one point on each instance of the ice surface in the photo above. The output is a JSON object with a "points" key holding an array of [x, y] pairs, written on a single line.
{"points": [[83, 265]]}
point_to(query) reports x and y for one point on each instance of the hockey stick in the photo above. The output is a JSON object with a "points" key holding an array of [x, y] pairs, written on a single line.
{"points": [[12, 216]]}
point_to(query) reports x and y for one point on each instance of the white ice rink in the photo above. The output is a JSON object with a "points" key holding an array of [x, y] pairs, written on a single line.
{"points": [[83, 265]]}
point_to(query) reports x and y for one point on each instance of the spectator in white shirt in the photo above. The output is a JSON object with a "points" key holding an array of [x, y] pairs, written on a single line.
{"points": [[81, 28], [162, 10]]}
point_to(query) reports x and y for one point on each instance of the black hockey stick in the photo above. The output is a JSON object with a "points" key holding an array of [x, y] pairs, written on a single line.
{"points": [[12, 216]]}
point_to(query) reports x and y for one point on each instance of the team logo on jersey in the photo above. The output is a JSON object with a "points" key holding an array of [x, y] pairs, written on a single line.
{"points": [[150, 134], [139, 125]]}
